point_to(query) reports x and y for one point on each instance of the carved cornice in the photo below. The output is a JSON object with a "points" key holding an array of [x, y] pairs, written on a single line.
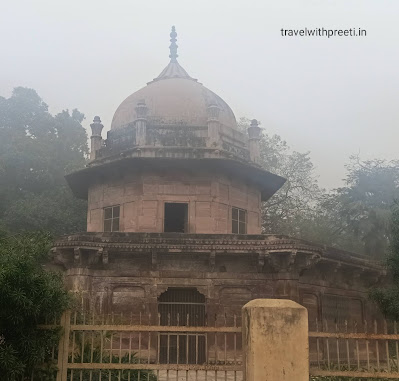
{"points": [[231, 248], [279, 253], [293, 261]]}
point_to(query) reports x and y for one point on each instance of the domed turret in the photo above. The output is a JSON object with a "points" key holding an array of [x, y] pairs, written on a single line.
{"points": [[174, 161]]}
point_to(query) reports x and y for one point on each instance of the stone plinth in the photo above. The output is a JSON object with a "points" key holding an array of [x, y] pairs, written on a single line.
{"points": [[275, 340]]}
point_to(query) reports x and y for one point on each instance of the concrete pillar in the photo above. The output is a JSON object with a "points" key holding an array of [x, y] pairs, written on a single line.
{"points": [[213, 126], [96, 139], [254, 138], [141, 123], [275, 340]]}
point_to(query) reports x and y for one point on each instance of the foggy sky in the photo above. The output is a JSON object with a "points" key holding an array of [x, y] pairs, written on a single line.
{"points": [[333, 97]]}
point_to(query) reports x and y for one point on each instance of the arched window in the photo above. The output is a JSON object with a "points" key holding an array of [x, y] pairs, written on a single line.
{"points": [[182, 307]]}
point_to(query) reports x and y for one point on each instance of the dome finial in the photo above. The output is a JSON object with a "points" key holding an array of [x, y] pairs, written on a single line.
{"points": [[173, 46], [173, 70]]}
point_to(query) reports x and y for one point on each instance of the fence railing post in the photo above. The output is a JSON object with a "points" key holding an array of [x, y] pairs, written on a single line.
{"points": [[63, 347], [275, 340]]}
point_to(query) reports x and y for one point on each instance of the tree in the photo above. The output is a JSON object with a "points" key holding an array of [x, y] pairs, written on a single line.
{"points": [[355, 217], [290, 209], [388, 298], [36, 151], [29, 295], [326, 227], [360, 212]]}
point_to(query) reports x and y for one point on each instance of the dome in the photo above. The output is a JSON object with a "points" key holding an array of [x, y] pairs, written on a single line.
{"points": [[174, 98], [174, 101]]}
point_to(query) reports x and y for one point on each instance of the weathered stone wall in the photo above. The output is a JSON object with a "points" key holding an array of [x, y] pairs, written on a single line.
{"points": [[127, 288], [127, 272], [142, 197]]}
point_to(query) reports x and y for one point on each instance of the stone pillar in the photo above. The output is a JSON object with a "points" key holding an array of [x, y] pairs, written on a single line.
{"points": [[213, 126], [275, 340], [96, 139], [141, 123], [254, 138]]}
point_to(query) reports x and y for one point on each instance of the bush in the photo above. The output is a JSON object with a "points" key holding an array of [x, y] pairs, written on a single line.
{"points": [[29, 296]]}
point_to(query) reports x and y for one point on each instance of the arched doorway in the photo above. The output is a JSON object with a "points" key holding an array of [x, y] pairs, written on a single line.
{"points": [[182, 307]]}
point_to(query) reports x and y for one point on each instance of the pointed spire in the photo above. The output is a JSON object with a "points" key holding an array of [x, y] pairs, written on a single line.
{"points": [[173, 70], [173, 46]]}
